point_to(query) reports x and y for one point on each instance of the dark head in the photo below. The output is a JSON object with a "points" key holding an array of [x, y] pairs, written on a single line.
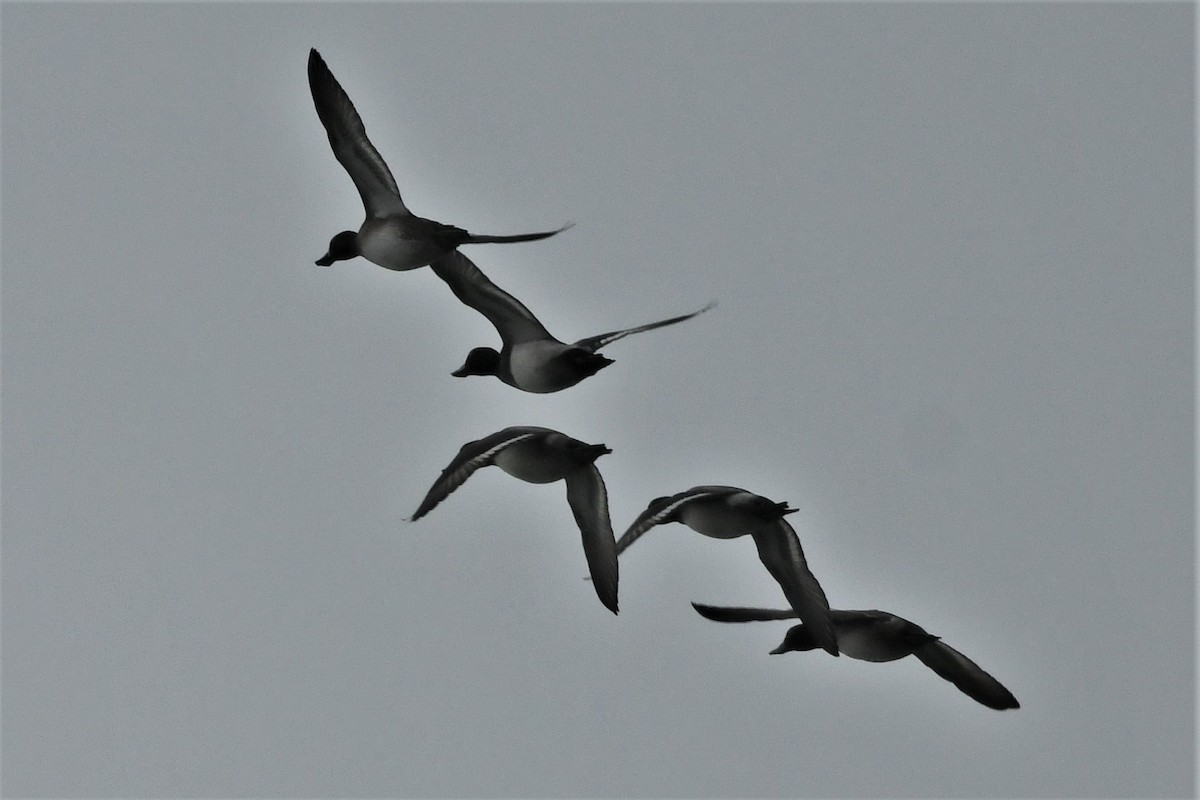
{"points": [[480, 361], [797, 639], [342, 247]]}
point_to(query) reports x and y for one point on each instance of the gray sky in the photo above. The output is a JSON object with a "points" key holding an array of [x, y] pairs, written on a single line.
{"points": [[952, 247]]}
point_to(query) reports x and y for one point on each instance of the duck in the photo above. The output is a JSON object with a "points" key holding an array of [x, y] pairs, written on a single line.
{"points": [[727, 512], [542, 455], [391, 235], [880, 636], [530, 359]]}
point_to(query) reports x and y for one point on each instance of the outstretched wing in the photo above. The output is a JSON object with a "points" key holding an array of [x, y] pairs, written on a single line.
{"points": [[471, 457], [589, 503], [348, 138], [513, 321], [594, 343], [780, 551], [739, 614], [966, 675]]}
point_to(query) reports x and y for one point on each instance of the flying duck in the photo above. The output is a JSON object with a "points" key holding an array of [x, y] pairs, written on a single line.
{"points": [[391, 236], [726, 512], [880, 636], [530, 358], [541, 455]]}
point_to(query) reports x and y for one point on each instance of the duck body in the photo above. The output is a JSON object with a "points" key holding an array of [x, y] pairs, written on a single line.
{"points": [[542, 366], [401, 245], [725, 512], [548, 365], [720, 512], [547, 456], [867, 636], [863, 635]]}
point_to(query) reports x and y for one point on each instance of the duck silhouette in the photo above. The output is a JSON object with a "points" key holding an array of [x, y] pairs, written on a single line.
{"points": [[880, 636], [531, 359], [542, 455], [727, 512], [391, 236]]}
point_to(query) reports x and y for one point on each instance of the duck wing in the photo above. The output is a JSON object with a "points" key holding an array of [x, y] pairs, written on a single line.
{"points": [[780, 551], [348, 138], [471, 457], [589, 503], [594, 343], [513, 321], [966, 675], [740, 614]]}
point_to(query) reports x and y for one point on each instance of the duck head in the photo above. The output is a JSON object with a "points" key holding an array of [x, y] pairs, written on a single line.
{"points": [[480, 361], [342, 247], [797, 639]]}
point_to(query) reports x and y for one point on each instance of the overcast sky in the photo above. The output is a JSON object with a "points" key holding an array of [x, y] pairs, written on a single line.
{"points": [[952, 247]]}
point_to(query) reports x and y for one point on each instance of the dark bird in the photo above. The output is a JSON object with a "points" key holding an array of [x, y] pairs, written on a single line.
{"points": [[530, 358], [726, 512], [540, 455], [880, 636], [391, 236]]}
